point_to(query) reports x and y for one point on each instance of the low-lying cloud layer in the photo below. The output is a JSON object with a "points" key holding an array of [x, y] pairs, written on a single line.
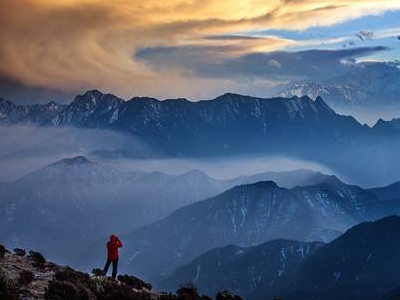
{"points": [[24, 149], [28, 148], [72, 45]]}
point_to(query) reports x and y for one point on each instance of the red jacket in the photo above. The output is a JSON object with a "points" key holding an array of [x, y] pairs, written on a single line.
{"points": [[112, 247]]}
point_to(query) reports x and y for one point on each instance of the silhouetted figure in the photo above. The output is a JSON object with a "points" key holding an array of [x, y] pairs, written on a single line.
{"points": [[112, 255]]}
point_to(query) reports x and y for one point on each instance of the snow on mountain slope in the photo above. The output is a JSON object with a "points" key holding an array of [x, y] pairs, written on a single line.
{"points": [[12, 114]]}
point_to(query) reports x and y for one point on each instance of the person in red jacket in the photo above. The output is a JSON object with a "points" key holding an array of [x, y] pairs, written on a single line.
{"points": [[112, 255]]}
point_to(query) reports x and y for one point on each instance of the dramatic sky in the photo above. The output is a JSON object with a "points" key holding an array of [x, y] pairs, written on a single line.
{"points": [[185, 48]]}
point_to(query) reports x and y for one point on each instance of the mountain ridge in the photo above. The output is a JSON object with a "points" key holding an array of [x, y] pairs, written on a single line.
{"points": [[35, 114], [375, 88], [32, 277], [247, 268], [246, 215], [233, 124], [360, 264], [93, 98], [76, 191]]}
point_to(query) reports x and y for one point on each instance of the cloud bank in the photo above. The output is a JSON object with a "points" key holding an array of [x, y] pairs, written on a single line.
{"points": [[211, 61], [71, 45]]}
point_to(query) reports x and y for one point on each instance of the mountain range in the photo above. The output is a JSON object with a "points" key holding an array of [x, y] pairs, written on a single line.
{"points": [[368, 88], [76, 199], [248, 215], [97, 110], [268, 233], [387, 193], [242, 270], [272, 234], [361, 264], [233, 124], [13, 114]]}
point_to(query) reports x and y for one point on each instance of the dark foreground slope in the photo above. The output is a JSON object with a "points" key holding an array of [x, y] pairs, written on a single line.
{"points": [[31, 277]]}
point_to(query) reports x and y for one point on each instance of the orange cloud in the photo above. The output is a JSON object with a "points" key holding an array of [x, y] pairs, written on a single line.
{"points": [[80, 44]]}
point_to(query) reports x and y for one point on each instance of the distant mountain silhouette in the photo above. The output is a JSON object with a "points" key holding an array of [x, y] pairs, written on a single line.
{"points": [[389, 192], [368, 87], [13, 114], [74, 161], [87, 110], [233, 124], [287, 179]]}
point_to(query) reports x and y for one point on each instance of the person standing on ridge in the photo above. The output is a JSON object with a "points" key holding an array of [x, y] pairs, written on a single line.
{"points": [[112, 255]]}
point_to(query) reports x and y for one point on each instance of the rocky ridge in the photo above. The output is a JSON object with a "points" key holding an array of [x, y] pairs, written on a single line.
{"points": [[32, 277]]}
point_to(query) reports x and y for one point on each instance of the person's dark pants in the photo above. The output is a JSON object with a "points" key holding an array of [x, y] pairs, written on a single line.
{"points": [[114, 267]]}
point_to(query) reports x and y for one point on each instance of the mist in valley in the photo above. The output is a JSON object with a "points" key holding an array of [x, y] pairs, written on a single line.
{"points": [[25, 149], [84, 184]]}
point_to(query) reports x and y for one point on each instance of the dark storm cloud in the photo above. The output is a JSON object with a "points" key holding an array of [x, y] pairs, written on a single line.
{"points": [[211, 62], [17, 92]]}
